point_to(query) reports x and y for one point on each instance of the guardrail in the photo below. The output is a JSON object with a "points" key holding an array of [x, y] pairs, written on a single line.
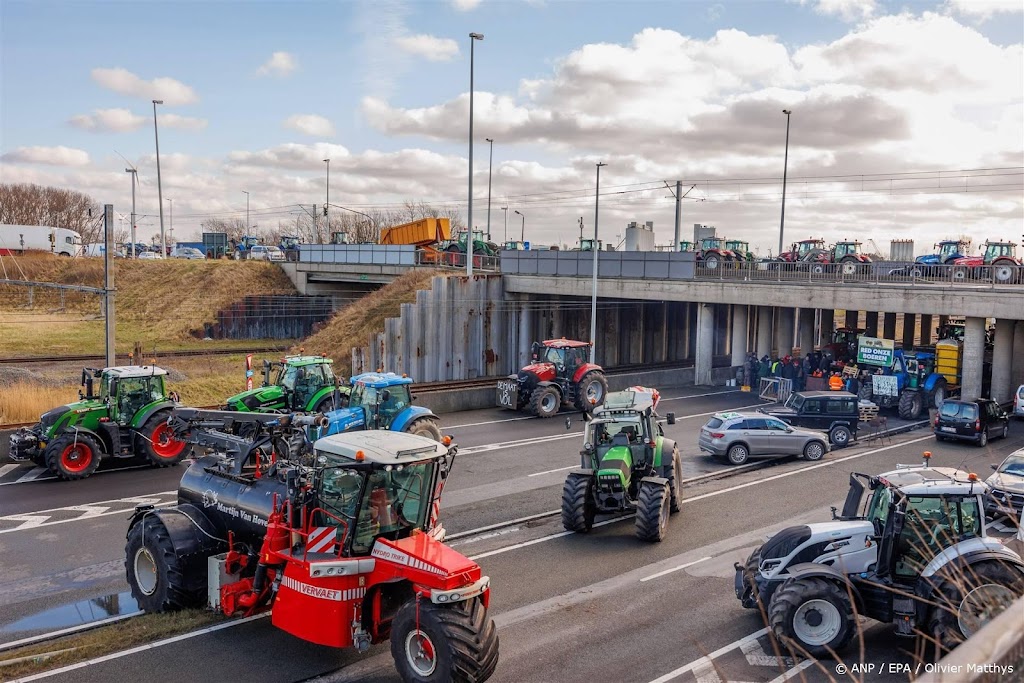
{"points": [[878, 272]]}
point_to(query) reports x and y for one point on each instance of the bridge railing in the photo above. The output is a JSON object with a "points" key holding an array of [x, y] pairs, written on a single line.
{"points": [[455, 261], [878, 272]]}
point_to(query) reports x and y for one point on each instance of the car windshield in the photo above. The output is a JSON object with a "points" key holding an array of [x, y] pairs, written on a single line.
{"points": [[1013, 465], [795, 401]]}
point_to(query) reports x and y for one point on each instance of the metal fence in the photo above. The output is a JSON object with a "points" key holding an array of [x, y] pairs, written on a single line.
{"points": [[775, 389], [878, 272]]}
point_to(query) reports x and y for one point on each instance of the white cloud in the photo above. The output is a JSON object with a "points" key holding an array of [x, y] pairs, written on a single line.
{"points": [[280, 64], [431, 48], [984, 9], [465, 5], [51, 156], [109, 120], [291, 156], [847, 10], [310, 124], [181, 122], [124, 82]]}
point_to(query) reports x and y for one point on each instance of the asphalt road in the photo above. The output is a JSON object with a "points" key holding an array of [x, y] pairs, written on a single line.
{"points": [[569, 607]]}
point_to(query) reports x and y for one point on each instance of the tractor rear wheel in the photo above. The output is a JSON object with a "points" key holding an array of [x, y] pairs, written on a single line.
{"points": [[751, 595], [1004, 272], [578, 509], [864, 391], [812, 615], [652, 510], [545, 401], [457, 642], [910, 405], [938, 394], [590, 391], [425, 427], [155, 572], [73, 456], [970, 597], [712, 261], [156, 441], [672, 470]]}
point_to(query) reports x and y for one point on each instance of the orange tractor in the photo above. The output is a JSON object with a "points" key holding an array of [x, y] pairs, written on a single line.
{"points": [[559, 374]]}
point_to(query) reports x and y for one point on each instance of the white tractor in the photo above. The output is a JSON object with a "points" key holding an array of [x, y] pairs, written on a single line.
{"points": [[915, 555]]}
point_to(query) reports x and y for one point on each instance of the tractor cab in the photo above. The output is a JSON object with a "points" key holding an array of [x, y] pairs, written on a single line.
{"points": [[299, 383], [844, 249], [587, 244], [709, 243], [288, 242], [514, 245], [380, 398], [686, 246], [997, 250], [804, 250], [740, 248], [366, 491], [952, 249], [128, 390]]}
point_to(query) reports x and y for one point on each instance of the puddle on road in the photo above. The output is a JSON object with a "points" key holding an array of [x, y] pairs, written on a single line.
{"points": [[75, 614]]}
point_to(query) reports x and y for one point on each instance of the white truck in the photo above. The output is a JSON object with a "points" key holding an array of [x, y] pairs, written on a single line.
{"points": [[18, 239]]}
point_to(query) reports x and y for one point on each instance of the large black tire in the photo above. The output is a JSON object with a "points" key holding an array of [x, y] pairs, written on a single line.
{"points": [[434, 644], [156, 442], [1004, 272], [910, 405], [959, 611], [738, 454], [545, 401], [937, 395], [327, 403], [424, 426], [983, 438], [712, 261], [751, 595], [864, 391], [840, 436], [155, 573], [592, 385], [812, 615], [73, 456], [578, 508], [652, 510], [671, 469]]}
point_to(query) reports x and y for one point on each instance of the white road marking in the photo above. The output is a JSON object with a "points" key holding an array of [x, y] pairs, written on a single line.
{"points": [[673, 569], [65, 631], [560, 469], [36, 520], [707, 659], [35, 475], [7, 468], [31, 475]]}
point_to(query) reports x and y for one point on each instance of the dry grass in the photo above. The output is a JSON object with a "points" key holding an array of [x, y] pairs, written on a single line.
{"points": [[353, 325], [25, 402], [103, 640]]}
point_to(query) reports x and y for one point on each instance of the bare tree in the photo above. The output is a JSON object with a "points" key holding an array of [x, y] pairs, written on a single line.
{"points": [[29, 204]]}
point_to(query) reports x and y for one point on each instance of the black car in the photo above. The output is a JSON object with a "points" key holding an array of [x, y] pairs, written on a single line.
{"points": [[977, 421], [834, 412]]}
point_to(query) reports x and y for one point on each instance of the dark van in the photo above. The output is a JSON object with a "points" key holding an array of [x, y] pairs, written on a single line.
{"points": [[834, 412], [976, 421]]}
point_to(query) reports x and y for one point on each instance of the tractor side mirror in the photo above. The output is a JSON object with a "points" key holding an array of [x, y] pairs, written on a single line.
{"points": [[994, 466], [568, 423], [80, 395], [670, 418]]}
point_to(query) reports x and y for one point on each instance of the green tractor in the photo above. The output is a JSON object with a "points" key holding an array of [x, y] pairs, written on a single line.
{"points": [[302, 384], [128, 417], [481, 247], [626, 466]]}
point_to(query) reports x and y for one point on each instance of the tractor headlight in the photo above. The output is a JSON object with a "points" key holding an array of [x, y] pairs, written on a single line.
{"points": [[587, 445], [442, 598]]}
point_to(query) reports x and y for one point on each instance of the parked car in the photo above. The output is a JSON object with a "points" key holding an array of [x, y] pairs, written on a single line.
{"points": [[149, 255], [1006, 488], [834, 412], [1018, 403], [977, 421], [262, 252], [734, 437], [190, 253]]}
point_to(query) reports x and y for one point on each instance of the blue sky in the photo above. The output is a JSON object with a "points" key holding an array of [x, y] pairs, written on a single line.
{"points": [[659, 90]]}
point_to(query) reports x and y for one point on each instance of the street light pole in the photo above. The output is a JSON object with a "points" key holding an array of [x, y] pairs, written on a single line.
{"points": [[246, 232], [133, 172], [522, 234], [327, 212], [505, 209], [490, 166], [785, 168], [159, 187], [170, 228], [593, 289], [473, 37]]}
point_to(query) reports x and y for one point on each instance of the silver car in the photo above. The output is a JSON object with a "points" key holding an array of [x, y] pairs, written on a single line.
{"points": [[1006, 488], [735, 437]]}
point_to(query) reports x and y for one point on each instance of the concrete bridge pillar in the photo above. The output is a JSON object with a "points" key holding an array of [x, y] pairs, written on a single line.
{"points": [[740, 316], [909, 330], [806, 335], [1002, 360], [785, 318], [525, 331], [851, 321], [927, 330], [705, 344], [1017, 365], [889, 326], [871, 323], [974, 354], [825, 327], [764, 331]]}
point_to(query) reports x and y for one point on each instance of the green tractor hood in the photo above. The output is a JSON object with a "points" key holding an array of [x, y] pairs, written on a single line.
{"points": [[615, 466], [260, 398], [84, 414]]}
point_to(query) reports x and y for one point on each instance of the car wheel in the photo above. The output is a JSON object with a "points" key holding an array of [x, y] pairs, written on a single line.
{"points": [[1006, 430], [738, 454], [983, 439], [814, 451], [839, 436]]}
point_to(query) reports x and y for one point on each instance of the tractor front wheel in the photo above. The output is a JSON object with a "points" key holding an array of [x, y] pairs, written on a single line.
{"points": [[590, 391], [938, 394], [156, 441], [155, 573], [812, 615], [751, 594], [545, 401], [673, 470], [73, 456], [578, 508], [910, 405], [971, 597], [425, 427], [652, 510], [431, 644]]}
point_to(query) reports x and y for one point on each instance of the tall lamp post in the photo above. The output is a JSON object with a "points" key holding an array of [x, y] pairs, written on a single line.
{"points": [[170, 221], [326, 212], [522, 233], [505, 209], [134, 173], [473, 37], [593, 289], [159, 187], [490, 166], [785, 167], [246, 213]]}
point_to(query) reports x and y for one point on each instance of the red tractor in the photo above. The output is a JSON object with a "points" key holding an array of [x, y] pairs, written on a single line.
{"points": [[843, 346], [713, 253], [345, 551], [805, 251], [849, 257], [558, 375], [1000, 256]]}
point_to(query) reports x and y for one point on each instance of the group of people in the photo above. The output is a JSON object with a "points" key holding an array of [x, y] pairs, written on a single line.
{"points": [[797, 370]]}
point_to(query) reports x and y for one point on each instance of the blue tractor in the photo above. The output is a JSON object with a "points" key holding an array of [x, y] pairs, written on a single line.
{"points": [[915, 387], [381, 401], [946, 252]]}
